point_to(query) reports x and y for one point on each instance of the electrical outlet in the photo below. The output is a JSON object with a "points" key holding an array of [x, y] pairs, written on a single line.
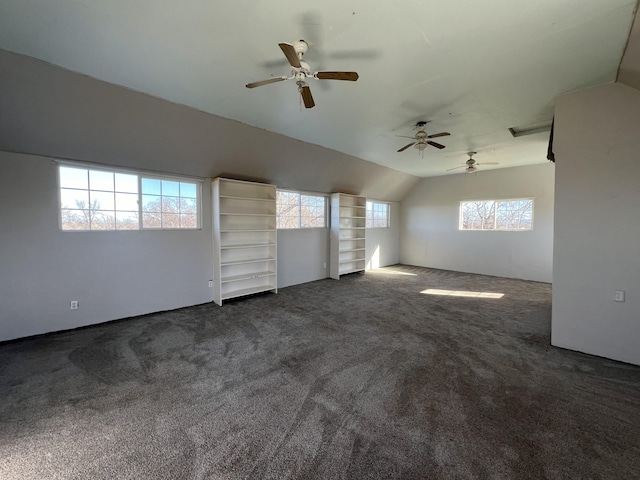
{"points": [[619, 297], [324, 265], [73, 305], [210, 283]]}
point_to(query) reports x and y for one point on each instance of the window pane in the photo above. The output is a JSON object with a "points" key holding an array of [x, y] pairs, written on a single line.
{"points": [[170, 220], [126, 183], [170, 204], [151, 220], [127, 201], [188, 205], [377, 215], [74, 198], [188, 220], [188, 190], [151, 203], [127, 221], [103, 221], [102, 200], [75, 220], [287, 209], [99, 180], [151, 186], [74, 177], [170, 188]]}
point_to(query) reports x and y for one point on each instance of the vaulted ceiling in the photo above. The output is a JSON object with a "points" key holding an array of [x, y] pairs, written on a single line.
{"points": [[473, 69]]}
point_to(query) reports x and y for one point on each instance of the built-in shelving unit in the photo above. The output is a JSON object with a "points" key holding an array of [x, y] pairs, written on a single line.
{"points": [[348, 217], [244, 239]]}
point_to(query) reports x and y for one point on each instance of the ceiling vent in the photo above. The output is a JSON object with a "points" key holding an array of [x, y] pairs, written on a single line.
{"points": [[530, 129]]}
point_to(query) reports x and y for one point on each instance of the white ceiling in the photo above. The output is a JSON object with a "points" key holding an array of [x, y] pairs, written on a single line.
{"points": [[472, 68]]}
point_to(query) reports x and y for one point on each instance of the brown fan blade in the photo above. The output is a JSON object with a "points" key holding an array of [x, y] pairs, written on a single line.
{"points": [[305, 91], [437, 145], [350, 76], [291, 54], [407, 146], [455, 168], [266, 82], [441, 134]]}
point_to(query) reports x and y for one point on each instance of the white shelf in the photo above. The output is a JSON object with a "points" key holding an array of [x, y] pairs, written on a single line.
{"points": [[245, 291], [351, 260], [347, 250], [246, 262], [247, 245], [246, 276], [247, 199], [245, 238], [347, 234]]}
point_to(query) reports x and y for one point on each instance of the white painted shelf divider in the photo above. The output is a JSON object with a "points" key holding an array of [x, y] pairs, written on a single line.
{"points": [[244, 239], [348, 217]]}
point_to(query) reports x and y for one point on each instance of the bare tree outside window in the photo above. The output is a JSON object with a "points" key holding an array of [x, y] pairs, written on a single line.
{"points": [[297, 210], [92, 199], [377, 215], [508, 215]]}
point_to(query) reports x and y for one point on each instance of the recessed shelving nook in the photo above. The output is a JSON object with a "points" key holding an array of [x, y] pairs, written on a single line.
{"points": [[348, 217], [244, 239]]}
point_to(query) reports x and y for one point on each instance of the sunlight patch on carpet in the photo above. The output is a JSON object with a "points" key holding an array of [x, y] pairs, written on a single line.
{"points": [[462, 293]]}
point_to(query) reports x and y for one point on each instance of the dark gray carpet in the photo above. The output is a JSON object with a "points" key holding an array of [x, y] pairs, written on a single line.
{"points": [[359, 378]]}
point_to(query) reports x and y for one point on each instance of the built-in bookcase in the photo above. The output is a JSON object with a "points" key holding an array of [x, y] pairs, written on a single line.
{"points": [[244, 239], [348, 221]]}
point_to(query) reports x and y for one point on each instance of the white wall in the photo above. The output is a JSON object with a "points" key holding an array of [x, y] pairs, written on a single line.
{"points": [[303, 255], [49, 111], [597, 222], [112, 274], [430, 213]]}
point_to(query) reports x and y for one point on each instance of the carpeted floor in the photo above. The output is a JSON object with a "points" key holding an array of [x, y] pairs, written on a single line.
{"points": [[360, 378]]}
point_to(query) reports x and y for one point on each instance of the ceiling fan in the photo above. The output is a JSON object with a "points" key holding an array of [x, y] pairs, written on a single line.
{"points": [[421, 138], [471, 165], [301, 70]]}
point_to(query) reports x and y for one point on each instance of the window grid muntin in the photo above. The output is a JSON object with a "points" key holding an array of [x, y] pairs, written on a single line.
{"points": [[485, 215], [377, 214], [123, 189], [296, 210]]}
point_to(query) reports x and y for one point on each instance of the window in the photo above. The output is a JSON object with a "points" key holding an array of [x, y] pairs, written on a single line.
{"points": [[96, 199], [506, 215], [299, 210], [377, 215]]}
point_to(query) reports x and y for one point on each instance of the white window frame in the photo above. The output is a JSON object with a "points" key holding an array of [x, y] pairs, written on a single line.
{"points": [[369, 220], [496, 202], [300, 194], [140, 176]]}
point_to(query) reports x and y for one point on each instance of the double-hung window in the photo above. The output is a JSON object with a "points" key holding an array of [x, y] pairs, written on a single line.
{"points": [[104, 199]]}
